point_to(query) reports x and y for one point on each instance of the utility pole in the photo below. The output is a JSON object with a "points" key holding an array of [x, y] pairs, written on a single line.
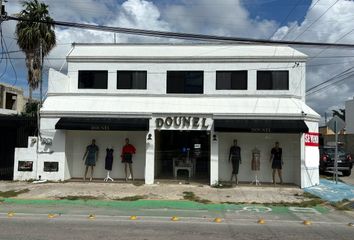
{"points": [[41, 75]]}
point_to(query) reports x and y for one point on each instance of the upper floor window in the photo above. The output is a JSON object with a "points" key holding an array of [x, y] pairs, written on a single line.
{"points": [[231, 80], [272, 80], [131, 79], [185, 82], [93, 79]]}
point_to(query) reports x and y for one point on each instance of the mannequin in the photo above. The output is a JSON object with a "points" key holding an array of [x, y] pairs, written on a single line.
{"points": [[235, 159], [255, 165], [109, 163], [127, 158], [277, 161], [90, 157]]}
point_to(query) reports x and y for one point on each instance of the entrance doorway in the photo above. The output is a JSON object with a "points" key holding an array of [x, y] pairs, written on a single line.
{"points": [[182, 154]]}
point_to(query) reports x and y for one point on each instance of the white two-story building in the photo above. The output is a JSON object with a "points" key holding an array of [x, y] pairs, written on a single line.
{"points": [[181, 106]]}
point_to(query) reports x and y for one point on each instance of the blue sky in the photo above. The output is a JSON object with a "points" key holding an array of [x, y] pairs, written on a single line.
{"points": [[301, 20], [281, 11]]}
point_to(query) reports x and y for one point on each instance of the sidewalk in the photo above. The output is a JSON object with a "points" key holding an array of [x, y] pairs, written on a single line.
{"points": [[332, 192], [243, 193]]}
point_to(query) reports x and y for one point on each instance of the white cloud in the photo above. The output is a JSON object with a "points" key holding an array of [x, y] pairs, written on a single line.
{"points": [[229, 18], [333, 26]]}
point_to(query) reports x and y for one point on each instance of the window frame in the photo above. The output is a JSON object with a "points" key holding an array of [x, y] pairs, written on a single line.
{"points": [[93, 71], [231, 79], [184, 81], [131, 79], [272, 88]]}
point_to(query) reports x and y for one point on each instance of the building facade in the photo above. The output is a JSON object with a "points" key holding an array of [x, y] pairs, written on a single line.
{"points": [[12, 100], [181, 106]]}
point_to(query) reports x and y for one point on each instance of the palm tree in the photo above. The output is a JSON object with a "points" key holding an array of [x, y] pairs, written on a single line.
{"points": [[35, 38]]}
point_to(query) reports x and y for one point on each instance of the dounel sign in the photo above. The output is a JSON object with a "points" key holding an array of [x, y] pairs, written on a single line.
{"points": [[182, 122]]}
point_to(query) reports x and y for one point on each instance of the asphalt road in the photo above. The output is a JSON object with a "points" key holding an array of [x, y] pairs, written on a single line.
{"points": [[32, 222], [78, 227]]}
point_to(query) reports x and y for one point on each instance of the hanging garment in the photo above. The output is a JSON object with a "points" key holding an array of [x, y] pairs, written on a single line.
{"points": [[109, 159], [256, 162]]}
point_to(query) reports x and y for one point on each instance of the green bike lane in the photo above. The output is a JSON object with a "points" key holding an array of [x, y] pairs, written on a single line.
{"points": [[164, 209]]}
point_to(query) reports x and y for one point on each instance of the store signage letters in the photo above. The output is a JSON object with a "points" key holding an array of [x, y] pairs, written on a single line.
{"points": [[100, 127], [261, 130], [312, 139], [182, 122]]}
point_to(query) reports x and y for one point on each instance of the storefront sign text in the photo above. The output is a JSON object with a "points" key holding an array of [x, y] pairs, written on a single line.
{"points": [[312, 139], [100, 127], [182, 122], [261, 130]]}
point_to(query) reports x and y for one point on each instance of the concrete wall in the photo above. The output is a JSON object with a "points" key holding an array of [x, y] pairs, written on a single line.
{"points": [[78, 140], [310, 158], [290, 143], [26, 154], [19, 103]]}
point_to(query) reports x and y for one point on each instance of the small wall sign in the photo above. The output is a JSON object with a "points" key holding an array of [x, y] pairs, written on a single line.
{"points": [[25, 166], [51, 167], [312, 139]]}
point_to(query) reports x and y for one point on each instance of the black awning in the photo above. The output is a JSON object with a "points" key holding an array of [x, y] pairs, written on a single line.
{"points": [[260, 126], [103, 124]]}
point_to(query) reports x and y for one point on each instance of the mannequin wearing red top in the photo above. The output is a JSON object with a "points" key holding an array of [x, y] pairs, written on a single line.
{"points": [[127, 158]]}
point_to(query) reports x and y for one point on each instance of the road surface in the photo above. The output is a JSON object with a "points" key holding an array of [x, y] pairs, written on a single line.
{"points": [[32, 222]]}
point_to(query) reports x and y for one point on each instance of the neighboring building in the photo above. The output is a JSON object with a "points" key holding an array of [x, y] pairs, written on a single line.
{"points": [[176, 104], [12, 100], [349, 116], [14, 129]]}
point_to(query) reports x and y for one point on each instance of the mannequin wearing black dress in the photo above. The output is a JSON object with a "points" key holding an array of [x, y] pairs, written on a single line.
{"points": [[109, 163]]}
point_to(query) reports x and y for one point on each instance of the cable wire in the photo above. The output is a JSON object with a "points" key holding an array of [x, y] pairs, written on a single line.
{"points": [[186, 36], [316, 20], [307, 14]]}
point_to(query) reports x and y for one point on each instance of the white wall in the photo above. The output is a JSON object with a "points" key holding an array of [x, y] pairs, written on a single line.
{"points": [[309, 156], [290, 143], [57, 82], [78, 140], [26, 154], [156, 76], [44, 153], [349, 117]]}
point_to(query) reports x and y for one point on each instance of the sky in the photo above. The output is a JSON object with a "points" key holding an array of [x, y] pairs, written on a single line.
{"points": [[294, 20]]}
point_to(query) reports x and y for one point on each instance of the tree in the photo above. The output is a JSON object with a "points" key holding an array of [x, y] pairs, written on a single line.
{"points": [[35, 39], [340, 113]]}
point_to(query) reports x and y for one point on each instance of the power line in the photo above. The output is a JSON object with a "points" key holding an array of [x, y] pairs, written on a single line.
{"points": [[341, 74], [317, 19], [331, 85], [307, 13], [186, 36], [286, 18]]}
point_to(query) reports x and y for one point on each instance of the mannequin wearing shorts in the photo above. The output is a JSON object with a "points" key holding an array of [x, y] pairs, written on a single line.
{"points": [[127, 158], [277, 161]]}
